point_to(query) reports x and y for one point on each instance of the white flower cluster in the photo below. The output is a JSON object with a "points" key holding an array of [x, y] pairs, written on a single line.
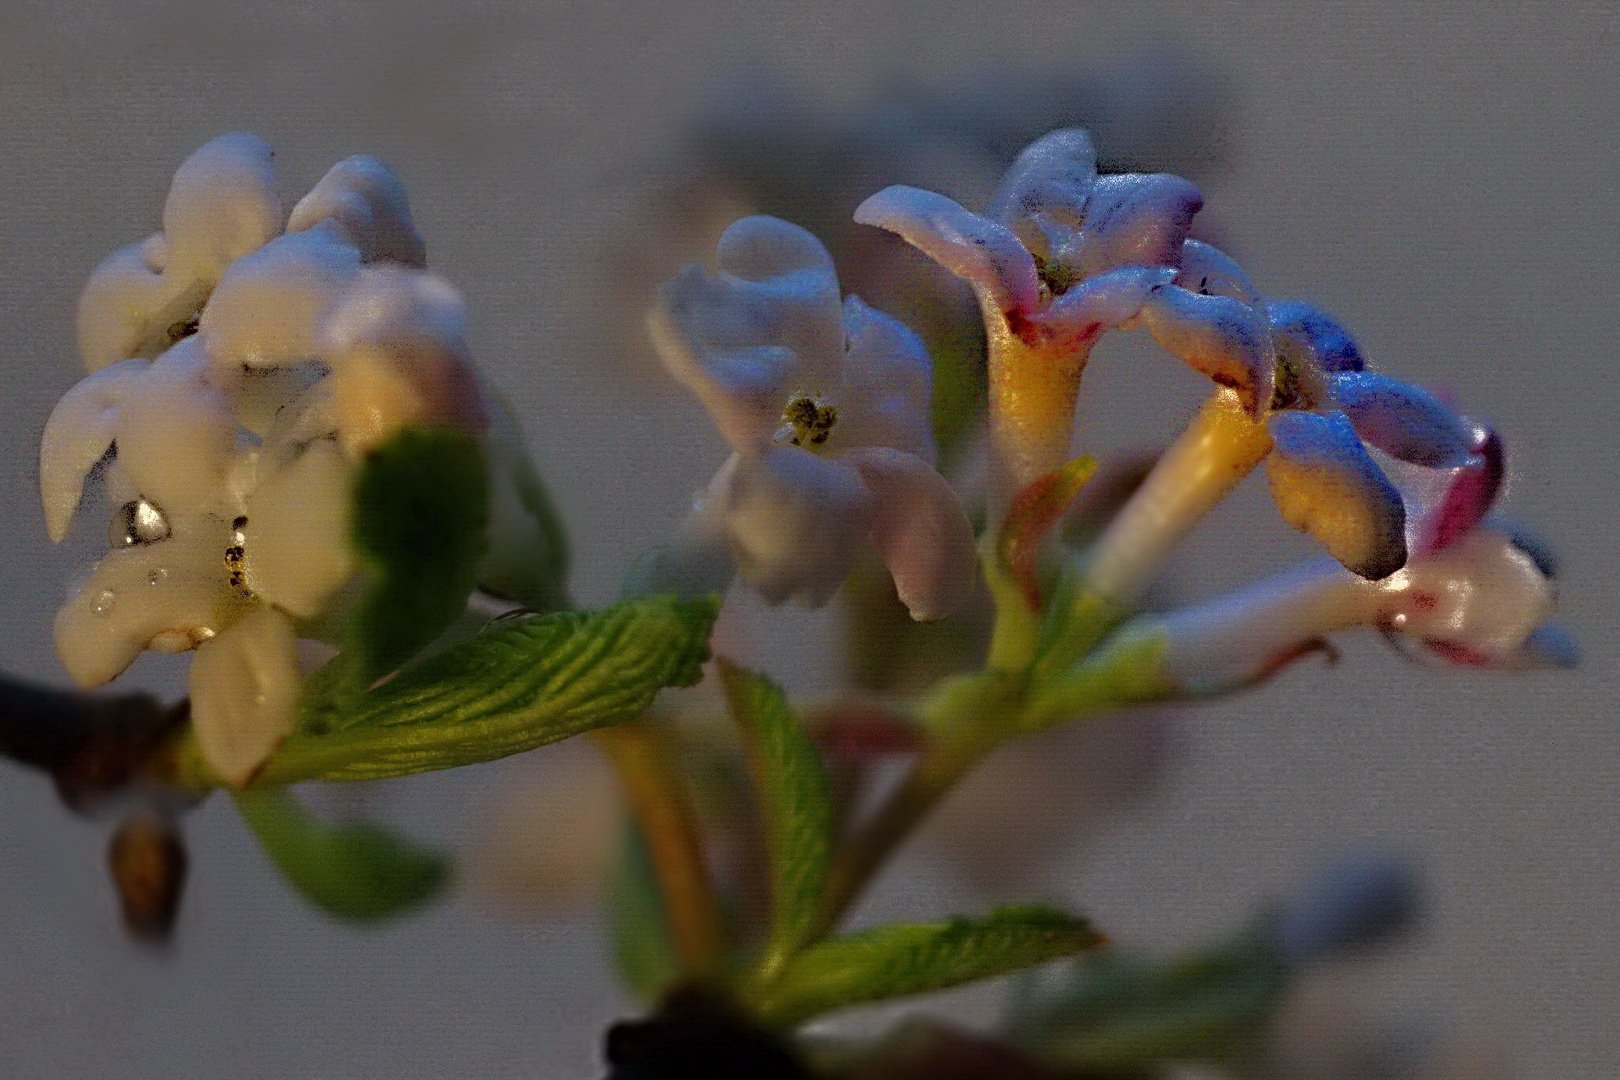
{"points": [[239, 369]]}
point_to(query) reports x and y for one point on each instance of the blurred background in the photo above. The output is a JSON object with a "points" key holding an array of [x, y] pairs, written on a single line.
{"points": [[1440, 176]]}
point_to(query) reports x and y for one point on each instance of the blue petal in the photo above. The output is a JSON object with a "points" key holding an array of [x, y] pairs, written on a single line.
{"points": [[1403, 420], [1305, 331], [1325, 483], [1137, 220], [1053, 173]]}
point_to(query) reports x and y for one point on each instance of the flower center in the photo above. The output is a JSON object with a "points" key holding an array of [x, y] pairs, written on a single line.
{"points": [[807, 422], [1057, 276]]}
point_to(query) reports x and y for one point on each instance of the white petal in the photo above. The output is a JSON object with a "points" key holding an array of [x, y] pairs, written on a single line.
{"points": [[1482, 593], [368, 202], [244, 694], [266, 308], [78, 433], [1137, 220], [796, 521], [919, 529], [1053, 174], [1105, 302], [1208, 270], [393, 341], [175, 432], [886, 398], [173, 592], [117, 309], [297, 550], [222, 205], [1216, 336], [982, 252]]}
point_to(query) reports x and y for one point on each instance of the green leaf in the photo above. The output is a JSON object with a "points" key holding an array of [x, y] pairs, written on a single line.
{"points": [[527, 560], [639, 922], [798, 808], [521, 683], [1122, 1014], [918, 958], [421, 512], [354, 870]]}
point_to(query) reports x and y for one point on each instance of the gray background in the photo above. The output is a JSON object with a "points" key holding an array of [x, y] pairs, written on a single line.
{"points": [[1442, 175]]}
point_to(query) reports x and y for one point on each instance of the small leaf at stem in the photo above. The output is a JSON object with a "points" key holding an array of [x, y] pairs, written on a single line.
{"points": [[421, 510], [918, 958], [639, 923], [354, 870], [798, 805], [1034, 511]]}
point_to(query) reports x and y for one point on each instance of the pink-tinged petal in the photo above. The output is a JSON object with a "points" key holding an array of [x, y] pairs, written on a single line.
{"points": [[1217, 336], [1052, 175], [982, 252], [1208, 270], [1480, 596], [886, 397], [78, 434], [222, 205], [1314, 336], [1472, 492], [117, 309], [168, 595], [297, 531], [795, 521], [1325, 483], [265, 310], [1102, 303], [244, 694], [782, 290], [1137, 220], [743, 389], [393, 340], [1403, 420], [176, 433], [919, 529], [368, 202]]}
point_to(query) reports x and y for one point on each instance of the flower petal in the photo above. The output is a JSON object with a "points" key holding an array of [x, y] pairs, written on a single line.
{"points": [[266, 308], [795, 521], [297, 533], [222, 205], [1208, 270], [1105, 302], [982, 252], [1218, 336], [1482, 595], [1403, 420], [77, 435], [919, 529], [176, 433], [393, 341], [1309, 333], [781, 290], [117, 308], [886, 397], [1467, 499], [1051, 175], [1137, 219], [369, 204], [170, 595], [1326, 484], [244, 694]]}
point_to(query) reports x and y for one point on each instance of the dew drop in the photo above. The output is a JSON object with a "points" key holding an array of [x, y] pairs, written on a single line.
{"points": [[137, 522], [104, 601]]}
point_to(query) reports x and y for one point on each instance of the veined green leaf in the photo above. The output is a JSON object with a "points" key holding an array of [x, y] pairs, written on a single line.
{"points": [[918, 958], [354, 870], [421, 513], [521, 683], [797, 803]]}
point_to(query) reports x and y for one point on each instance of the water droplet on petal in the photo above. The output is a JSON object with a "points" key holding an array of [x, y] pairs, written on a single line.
{"points": [[104, 601], [137, 522]]}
